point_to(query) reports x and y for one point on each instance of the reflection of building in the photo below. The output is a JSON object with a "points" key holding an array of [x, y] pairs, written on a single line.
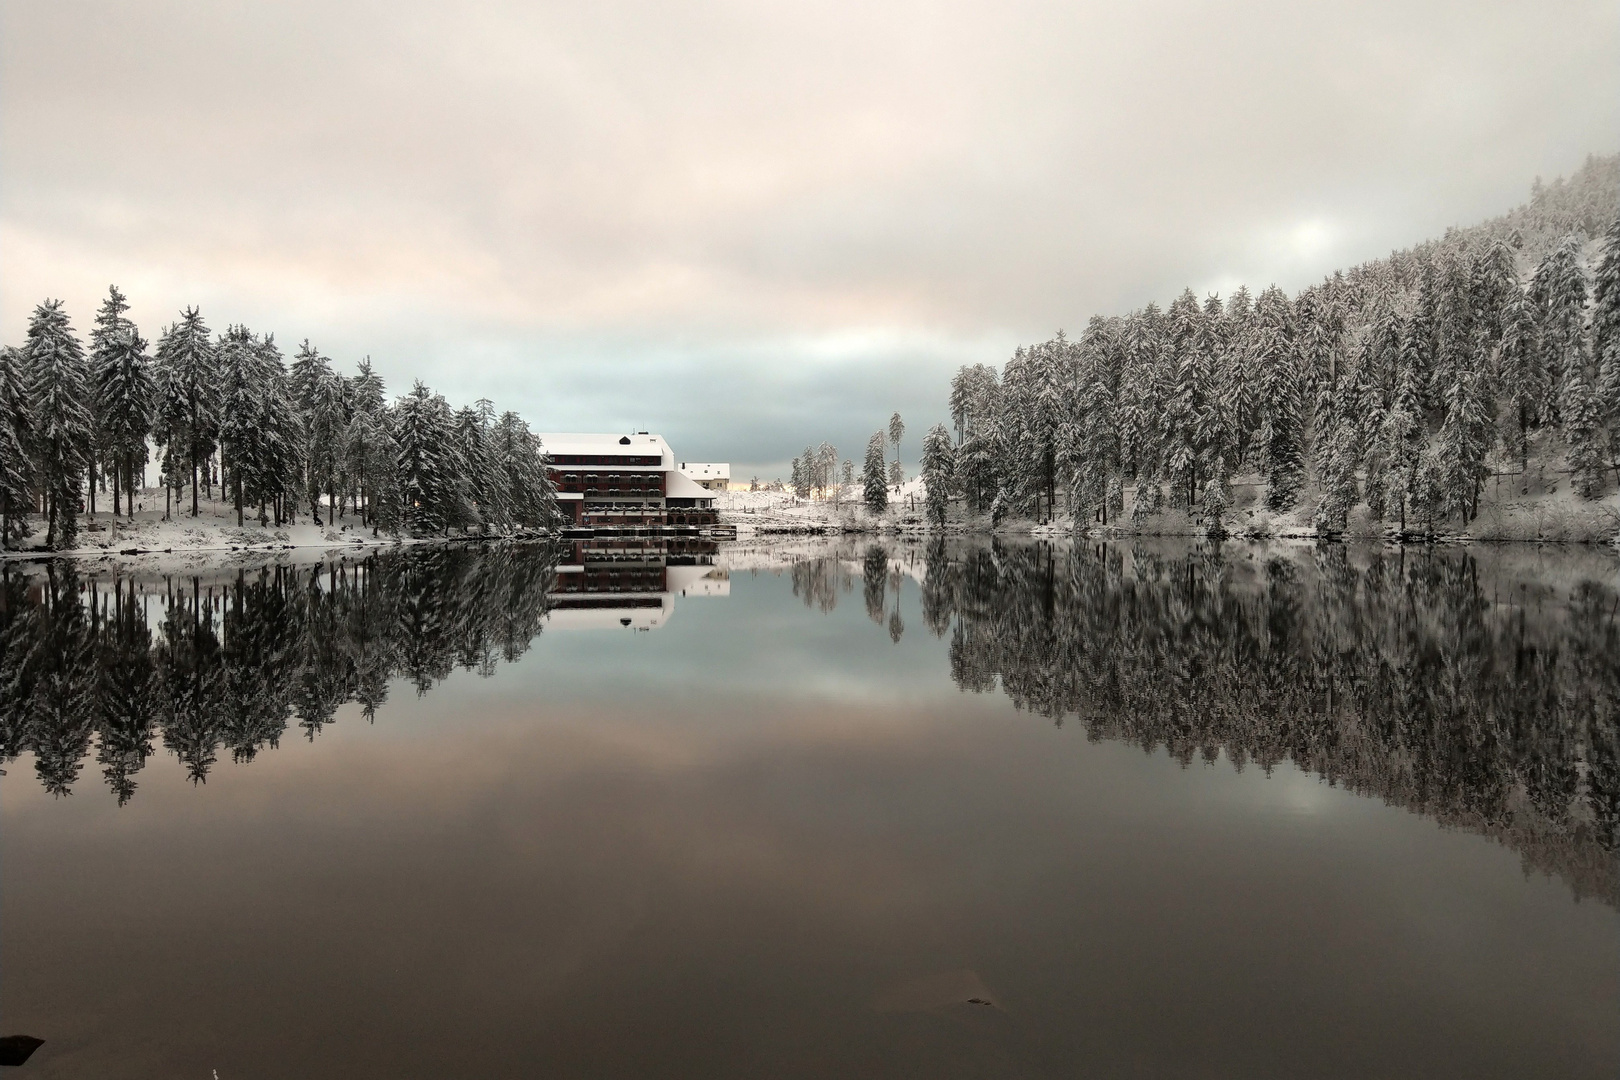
{"points": [[628, 582], [619, 483], [713, 475]]}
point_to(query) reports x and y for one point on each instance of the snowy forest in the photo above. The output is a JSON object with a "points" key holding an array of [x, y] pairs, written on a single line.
{"points": [[227, 413], [224, 665], [1401, 385]]}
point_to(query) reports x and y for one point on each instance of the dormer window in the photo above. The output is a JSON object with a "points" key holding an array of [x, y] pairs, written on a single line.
{"points": [[624, 440]]}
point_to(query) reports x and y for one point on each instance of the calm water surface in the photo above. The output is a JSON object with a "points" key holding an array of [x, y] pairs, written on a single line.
{"points": [[976, 810]]}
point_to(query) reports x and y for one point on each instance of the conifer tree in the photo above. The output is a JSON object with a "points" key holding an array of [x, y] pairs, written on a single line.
{"points": [[874, 484], [530, 494], [1583, 422], [107, 333], [1521, 376], [1606, 337], [126, 393], [322, 394], [1281, 436], [243, 434], [1401, 435], [1465, 439], [484, 483], [897, 430], [1187, 400], [937, 471], [1239, 391], [16, 431], [189, 384], [280, 482], [1558, 290], [17, 489], [61, 437], [430, 472]]}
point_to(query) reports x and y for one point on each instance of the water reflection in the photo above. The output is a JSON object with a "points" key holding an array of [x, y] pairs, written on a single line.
{"points": [[1487, 701], [222, 663], [1489, 704]]}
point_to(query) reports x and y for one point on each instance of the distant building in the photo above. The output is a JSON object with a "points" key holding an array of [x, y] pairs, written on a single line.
{"points": [[714, 475], [624, 482]]}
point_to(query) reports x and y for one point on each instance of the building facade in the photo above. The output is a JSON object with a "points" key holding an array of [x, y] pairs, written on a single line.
{"points": [[625, 483], [713, 475]]}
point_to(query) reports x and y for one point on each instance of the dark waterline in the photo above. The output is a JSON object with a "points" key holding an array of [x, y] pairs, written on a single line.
{"points": [[976, 810]]}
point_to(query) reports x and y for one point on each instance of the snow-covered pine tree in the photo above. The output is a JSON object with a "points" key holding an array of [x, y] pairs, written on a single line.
{"points": [[190, 381], [897, 430], [369, 454], [280, 483], [1454, 327], [1521, 380], [530, 494], [1606, 337], [1376, 367], [938, 469], [1281, 440], [1583, 425], [58, 387], [1239, 397], [431, 474], [326, 418], [1558, 290], [366, 391], [1342, 455], [126, 397], [108, 330], [1465, 440], [242, 435], [485, 483], [1401, 435], [1494, 283], [1187, 397], [801, 489], [1212, 426], [16, 431], [874, 484], [1141, 399]]}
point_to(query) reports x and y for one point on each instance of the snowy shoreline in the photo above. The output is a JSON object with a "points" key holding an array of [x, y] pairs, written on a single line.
{"points": [[1546, 518], [214, 539]]}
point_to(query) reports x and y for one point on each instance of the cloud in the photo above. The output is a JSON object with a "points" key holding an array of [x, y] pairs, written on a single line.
{"points": [[691, 213]]}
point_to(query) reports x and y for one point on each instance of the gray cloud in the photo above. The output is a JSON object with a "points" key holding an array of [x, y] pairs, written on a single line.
{"points": [[752, 225]]}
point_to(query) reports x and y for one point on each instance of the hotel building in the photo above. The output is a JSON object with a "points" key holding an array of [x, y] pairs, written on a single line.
{"points": [[625, 482]]}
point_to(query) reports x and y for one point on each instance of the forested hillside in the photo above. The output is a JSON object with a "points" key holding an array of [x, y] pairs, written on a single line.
{"points": [[1385, 397], [227, 412]]}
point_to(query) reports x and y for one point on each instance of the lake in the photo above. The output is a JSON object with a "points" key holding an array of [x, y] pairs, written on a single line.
{"points": [[816, 809]]}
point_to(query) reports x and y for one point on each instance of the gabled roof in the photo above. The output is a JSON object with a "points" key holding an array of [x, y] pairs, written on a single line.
{"points": [[707, 470], [577, 443]]}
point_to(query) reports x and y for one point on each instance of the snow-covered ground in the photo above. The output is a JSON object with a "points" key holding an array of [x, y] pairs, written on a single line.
{"points": [[210, 537], [1551, 513], [771, 511]]}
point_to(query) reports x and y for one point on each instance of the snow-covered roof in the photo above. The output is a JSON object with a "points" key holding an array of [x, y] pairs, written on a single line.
{"points": [[640, 443], [707, 470], [677, 485]]}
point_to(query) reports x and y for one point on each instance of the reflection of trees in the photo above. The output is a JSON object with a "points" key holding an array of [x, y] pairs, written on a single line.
{"points": [[1404, 678], [875, 581], [227, 664], [818, 581]]}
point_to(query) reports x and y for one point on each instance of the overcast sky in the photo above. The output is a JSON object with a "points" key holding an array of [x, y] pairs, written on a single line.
{"points": [[751, 226]]}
